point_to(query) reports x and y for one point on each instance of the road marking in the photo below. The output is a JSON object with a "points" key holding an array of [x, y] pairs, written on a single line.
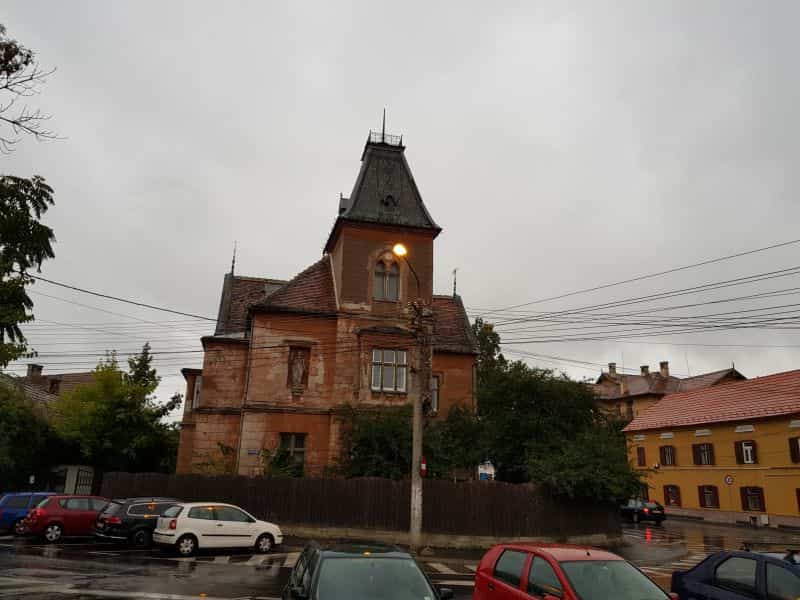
{"points": [[256, 560], [291, 558], [442, 568], [222, 559], [61, 589], [472, 568]]}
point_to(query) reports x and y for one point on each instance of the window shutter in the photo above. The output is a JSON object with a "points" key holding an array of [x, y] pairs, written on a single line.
{"points": [[711, 454], [798, 498], [715, 491], [794, 449], [700, 490], [662, 455], [755, 451], [696, 453], [678, 495], [761, 504], [737, 447], [666, 495], [743, 493]]}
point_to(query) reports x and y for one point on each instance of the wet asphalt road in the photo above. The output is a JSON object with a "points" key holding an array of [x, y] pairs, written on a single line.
{"points": [[84, 569]]}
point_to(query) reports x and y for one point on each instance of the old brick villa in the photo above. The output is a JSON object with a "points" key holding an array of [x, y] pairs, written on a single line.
{"points": [[286, 356]]}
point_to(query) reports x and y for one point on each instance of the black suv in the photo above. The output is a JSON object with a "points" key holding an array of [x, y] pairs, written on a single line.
{"points": [[358, 570], [131, 520]]}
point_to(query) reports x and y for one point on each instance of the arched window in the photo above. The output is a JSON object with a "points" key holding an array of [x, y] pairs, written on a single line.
{"points": [[387, 278]]}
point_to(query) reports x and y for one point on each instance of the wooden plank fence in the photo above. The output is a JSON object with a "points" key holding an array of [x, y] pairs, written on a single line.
{"points": [[463, 508]]}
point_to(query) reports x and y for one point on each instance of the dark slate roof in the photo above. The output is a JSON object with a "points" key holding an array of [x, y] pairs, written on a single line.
{"points": [[452, 331], [62, 382], [385, 193], [238, 294], [608, 386], [759, 398], [311, 291]]}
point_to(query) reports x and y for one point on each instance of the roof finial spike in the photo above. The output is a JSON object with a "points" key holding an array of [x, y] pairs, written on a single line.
{"points": [[455, 273], [233, 260], [383, 127]]}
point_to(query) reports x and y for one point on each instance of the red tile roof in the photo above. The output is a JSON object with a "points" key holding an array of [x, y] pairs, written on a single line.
{"points": [[451, 328], [762, 397], [310, 291], [238, 293]]}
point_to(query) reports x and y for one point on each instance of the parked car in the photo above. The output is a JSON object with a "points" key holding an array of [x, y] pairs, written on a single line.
{"points": [[735, 575], [359, 571], [64, 515], [15, 506], [643, 510], [194, 526], [550, 571], [131, 520]]}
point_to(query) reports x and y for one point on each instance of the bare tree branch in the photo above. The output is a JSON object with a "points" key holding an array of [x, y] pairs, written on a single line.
{"points": [[20, 77]]}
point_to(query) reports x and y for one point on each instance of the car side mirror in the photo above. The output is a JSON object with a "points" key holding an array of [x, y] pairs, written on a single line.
{"points": [[445, 594]]}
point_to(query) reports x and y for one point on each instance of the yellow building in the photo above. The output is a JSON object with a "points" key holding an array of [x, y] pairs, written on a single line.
{"points": [[728, 453]]}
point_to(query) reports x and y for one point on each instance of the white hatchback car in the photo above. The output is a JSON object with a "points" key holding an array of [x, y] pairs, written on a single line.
{"points": [[192, 526]]}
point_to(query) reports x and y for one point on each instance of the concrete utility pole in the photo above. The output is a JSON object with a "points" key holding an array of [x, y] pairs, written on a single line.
{"points": [[421, 320], [421, 324]]}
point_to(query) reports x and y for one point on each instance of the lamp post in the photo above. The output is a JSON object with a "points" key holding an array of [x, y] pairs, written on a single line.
{"points": [[419, 315]]}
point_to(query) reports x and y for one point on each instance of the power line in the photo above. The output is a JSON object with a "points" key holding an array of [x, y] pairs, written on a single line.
{"points": [[651, 275]]}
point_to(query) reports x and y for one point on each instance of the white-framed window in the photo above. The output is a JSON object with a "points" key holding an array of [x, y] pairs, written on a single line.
{"points": [[748, 453], [436, 382], [387, 281], [198, 384], [389, 370]]}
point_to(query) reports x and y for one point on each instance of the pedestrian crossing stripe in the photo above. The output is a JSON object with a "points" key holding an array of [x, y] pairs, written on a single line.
{"points": [[441, 568]]}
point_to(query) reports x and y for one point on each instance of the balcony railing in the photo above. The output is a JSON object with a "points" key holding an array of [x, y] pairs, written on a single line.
{"points": [[378, 137]]}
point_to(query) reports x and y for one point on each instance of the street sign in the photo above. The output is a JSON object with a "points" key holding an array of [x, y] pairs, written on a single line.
{"points": [[729, 479]]}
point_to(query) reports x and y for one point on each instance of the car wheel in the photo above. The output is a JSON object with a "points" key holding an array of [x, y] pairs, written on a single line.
{"points": [[186, 545], [141, 538], [19, 528], [53, 533], [264, 543]]}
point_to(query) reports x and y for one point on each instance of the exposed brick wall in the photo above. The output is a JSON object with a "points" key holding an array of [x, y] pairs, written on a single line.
{"points": [[456, 381], [224, 374], [357, 252]]}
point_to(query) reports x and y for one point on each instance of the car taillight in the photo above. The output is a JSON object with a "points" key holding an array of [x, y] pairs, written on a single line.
{"points": [[113, 520], [36, 513], [646, 510], [173, 524]]}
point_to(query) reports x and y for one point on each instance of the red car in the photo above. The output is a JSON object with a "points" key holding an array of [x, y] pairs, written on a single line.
{"points": [[551, 571], [59, 516]]}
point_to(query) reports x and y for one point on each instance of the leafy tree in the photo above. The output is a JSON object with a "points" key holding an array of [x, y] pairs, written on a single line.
{"points": [[376, 443], [490, 358], [456, 444], [20, 78], [28, 445], [115, 420], [593, 465], [279, 463], [25, 243]]}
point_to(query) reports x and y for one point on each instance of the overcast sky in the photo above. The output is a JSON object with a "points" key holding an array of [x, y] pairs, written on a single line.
{"points": [[559, 145]]}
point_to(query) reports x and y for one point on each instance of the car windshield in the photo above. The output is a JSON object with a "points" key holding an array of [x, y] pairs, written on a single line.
{"points": [[602, 579], [369, 577], [652, 505], [113, 508], [172, 511]]}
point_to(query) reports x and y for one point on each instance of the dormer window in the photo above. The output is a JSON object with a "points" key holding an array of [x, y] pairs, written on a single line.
{"points": [[387, 278]]}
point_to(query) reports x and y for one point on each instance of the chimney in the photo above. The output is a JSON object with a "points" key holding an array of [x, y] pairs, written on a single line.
{"points": [[34, 370], [645, 370], [664, 367], [612, 369]]}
